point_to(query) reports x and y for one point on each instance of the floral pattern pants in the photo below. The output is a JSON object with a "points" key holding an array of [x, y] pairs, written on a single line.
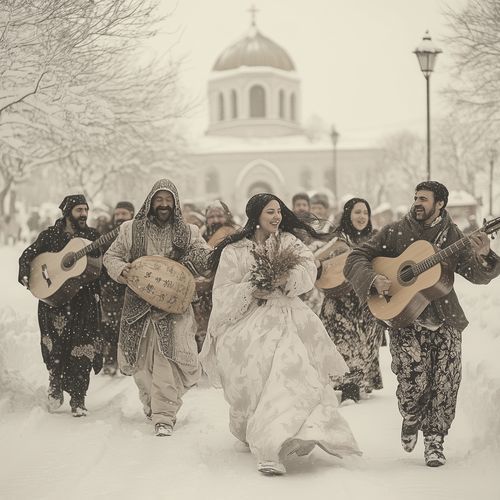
{"points": [[428, 367]]}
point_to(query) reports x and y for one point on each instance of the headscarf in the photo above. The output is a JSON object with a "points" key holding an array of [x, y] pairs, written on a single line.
{"points": [[180, 228], [346, 225], [71, 201]]}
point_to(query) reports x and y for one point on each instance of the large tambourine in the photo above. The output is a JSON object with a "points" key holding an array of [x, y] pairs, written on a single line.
{"points": [[162, 282]]}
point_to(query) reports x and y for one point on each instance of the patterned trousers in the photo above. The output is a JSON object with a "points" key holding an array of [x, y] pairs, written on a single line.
{"points": [[428, 368]]}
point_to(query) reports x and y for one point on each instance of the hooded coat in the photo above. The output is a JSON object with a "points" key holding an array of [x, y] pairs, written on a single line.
{"points": [[178, 241]]}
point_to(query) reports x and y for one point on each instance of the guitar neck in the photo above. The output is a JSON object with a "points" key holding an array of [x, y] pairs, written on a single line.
{"points": [[102, 240], [442, 255]]}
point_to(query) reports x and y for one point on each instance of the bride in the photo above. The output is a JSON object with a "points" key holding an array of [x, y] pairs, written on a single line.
{"points": [[269, 351]]}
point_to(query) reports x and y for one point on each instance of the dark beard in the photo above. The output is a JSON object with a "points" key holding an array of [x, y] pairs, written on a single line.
{"points": [[427, 215], [156, 213], [78, 223]]}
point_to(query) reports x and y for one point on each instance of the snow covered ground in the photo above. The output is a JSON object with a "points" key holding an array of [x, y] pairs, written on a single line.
{"points": [[112, 453]]}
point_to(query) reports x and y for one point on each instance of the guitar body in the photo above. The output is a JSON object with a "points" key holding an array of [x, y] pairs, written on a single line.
{"points": [[55, 279], [332, 276], [406, 300]]}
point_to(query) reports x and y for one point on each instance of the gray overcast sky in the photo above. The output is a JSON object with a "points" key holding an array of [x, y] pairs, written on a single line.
{"points": [[354, 57]]}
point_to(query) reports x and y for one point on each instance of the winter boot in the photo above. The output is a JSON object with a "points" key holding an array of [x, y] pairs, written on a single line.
{"points": [[350, 391], [409, 434], [271, 468], [55, 395], [433, 452], [162, 429], [78, 407]]}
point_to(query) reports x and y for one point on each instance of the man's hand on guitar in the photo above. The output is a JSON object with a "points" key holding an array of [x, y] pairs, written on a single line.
{"points": [[124, 274], [382, 284], [480, 243]]}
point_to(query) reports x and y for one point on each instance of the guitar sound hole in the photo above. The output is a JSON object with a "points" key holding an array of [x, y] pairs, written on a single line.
{"points": [[68, 261], [406, 274]]}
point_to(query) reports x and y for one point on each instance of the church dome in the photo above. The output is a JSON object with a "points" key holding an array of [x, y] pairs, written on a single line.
{"points": [[254, 49]]}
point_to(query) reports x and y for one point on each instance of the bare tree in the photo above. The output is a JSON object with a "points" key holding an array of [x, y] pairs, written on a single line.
{"points": [[72, 95]]}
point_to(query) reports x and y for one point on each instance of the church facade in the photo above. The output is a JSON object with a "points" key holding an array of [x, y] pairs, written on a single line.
{"points": [[255, 142]]}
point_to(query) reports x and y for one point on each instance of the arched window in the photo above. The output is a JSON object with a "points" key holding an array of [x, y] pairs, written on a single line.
{"points": [[234, 104], [292, 107], [221, 107], [259, 187], [306, 178], [212, 181], [282, 104], [257, 102]]}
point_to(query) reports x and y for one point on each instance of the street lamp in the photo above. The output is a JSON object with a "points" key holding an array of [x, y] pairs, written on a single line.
{"points": [[335, 137], [493, 157], [426, 54]]}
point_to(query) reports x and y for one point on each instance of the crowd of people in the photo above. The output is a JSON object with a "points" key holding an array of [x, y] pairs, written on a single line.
{"points": [[274, 320]]}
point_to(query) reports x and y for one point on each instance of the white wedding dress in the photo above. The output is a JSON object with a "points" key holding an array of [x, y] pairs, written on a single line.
{"points": [[275, 361]]}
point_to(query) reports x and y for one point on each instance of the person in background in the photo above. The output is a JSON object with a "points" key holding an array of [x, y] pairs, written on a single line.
{"points": [[112, 297], [351, 327]]}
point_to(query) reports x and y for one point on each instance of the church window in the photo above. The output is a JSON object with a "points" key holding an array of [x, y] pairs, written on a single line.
{"points": [[257, 102], [234, 104], [292, 107], [221, 107], [282, 104]]}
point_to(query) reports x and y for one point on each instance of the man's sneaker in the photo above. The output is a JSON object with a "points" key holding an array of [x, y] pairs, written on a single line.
{"points": [[163, 430], [409, 435], [433, 452], [271, 468], [79, 411]]}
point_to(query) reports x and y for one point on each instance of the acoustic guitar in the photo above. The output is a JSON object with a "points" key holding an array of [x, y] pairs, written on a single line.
{"points": [[418, 276], [56, 277], [333, 256]]}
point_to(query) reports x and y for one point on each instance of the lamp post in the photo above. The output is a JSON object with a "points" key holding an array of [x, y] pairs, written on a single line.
{"points": [[335, 137], [493, 157], [426, 54]]}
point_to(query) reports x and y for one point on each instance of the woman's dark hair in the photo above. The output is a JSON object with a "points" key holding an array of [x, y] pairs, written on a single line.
{"points": [[290, 223], [346, 225]]}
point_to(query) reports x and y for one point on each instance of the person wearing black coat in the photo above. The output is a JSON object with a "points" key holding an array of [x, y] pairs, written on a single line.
{"points": [[70, 333]]}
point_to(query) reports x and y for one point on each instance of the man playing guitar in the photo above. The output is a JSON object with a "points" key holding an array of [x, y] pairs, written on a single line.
{"points": [[426, 354], [70, 332]]}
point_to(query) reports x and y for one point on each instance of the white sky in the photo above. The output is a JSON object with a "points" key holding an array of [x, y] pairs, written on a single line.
{"points": [[354, 57]]}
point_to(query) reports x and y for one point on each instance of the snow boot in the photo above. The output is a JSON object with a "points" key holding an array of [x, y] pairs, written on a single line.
{"points": [[433, 452], [350, 391], [409, 434], [162, 430], [271, 468], [78, 407], [55, 395]]}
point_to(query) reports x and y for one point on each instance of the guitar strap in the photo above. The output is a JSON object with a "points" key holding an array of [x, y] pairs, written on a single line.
{"points": [[441, 237]]}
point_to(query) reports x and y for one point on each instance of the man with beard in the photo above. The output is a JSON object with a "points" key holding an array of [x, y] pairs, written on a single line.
{"points": [[112, 296], [70, 336], [156, 347], [426, 355]]}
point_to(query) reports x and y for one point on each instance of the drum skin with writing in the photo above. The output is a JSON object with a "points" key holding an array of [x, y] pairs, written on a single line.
{"points": [[162, 282]]}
